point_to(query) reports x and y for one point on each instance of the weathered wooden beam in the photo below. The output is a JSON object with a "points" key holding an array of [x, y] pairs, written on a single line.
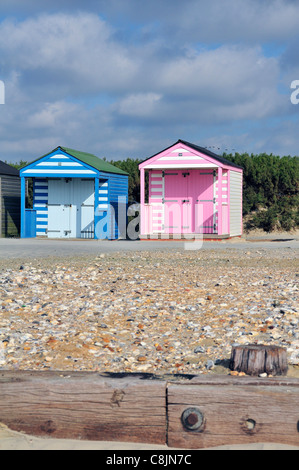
{"points": [[214, 411], [191, 413], [84, 406]]}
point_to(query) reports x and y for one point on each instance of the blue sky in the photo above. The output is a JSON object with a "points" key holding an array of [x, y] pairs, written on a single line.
{"points": [[127, 78]]}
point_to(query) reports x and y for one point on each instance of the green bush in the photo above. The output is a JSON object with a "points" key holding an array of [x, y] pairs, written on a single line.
{"points": [[270, 190]]}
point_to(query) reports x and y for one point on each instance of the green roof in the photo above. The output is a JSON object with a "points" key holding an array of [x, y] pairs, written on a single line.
{"points": [[94, 161]]}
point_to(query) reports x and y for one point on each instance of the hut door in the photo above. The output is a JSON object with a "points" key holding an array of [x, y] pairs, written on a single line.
{"points": [[176, 203], [202, 188], [84, 198], [61, 210]]}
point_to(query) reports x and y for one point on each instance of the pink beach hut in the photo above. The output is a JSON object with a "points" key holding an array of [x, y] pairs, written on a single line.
{"points": [[191, 191]]}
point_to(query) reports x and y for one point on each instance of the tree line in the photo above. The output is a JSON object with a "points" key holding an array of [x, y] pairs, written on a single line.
{"points": [[270, 191], [270, 188]]}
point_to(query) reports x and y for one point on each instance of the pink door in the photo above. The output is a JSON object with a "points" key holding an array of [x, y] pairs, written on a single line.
{"points": [[189, 204], [177, 207], [193, 196], [201, 190]]}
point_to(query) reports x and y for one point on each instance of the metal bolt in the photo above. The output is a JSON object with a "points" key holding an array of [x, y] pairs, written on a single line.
{"points": [[192, 419]]}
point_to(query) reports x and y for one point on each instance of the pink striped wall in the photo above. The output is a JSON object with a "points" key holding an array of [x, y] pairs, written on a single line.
{"points": [[155, 199]]}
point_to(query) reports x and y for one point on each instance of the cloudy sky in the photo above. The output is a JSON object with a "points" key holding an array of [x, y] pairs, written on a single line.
{"points": [[127, 78]]}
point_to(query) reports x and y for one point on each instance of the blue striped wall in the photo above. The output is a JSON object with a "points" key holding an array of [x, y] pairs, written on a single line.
{"points": [[40, 204], [103, 194], [118, 198]]}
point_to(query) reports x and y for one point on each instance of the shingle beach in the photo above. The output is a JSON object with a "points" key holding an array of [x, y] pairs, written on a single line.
{"points": [[155, 312]]}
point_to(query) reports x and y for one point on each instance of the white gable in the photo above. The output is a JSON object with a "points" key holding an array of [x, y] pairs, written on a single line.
{"points": [[59, 165]]}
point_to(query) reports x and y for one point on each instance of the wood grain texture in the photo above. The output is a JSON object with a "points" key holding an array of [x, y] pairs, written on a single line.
{"points": [[256, 359], [84, 406], [235, 411]]}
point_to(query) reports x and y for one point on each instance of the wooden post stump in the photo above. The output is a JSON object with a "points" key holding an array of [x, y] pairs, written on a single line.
{"points": [[255, 359]]}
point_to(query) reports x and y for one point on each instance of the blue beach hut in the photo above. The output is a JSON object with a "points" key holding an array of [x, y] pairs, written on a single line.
{"points": [[75, 195]]}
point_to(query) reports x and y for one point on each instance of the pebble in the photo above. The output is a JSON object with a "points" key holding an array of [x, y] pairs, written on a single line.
{"points": [[210, 364], [158, 312]]}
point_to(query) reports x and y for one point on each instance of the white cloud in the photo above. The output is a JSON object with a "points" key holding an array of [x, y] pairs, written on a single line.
{"points": [[53, 115], [73, 79], [76, 50], [218, 21], [215, 21], [58, 56], [226, 83], [220, 72], [140, 104]]}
